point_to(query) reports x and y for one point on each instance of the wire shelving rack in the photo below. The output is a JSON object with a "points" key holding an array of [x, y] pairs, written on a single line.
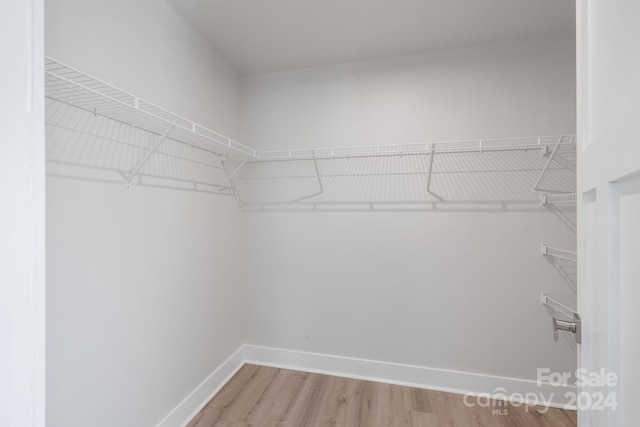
{"points": [[145, 140], [70, 86], [433, 172], [405, 168]]}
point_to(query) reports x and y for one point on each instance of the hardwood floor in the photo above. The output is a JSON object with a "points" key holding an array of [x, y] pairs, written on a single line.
{"points": [[269, 397]]}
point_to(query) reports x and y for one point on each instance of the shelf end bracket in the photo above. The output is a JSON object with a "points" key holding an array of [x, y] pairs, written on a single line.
{"points": [[134, 172], [223, 186], [431, 158], [315, 164]]}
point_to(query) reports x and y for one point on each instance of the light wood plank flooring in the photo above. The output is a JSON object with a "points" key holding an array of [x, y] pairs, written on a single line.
{"points": [[269, 397]]}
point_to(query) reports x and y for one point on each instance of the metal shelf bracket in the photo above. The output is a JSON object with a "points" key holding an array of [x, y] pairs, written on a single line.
{"points": [[315, 164], [555, 199], [546, 250], [431, 158], [231, 175], [320, 185], [574, 325], [147, 156]]}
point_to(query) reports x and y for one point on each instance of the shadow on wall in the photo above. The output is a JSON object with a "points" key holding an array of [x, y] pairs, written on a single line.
{"points": [[566, 214]]}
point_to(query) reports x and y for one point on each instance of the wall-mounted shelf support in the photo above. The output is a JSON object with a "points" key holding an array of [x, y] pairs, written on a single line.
{"points": [[555, 199], [545, 151], [431, 159], [546, 166], [320, 184], [315, 164], [547, 250], [232, 174], [574, 325], [147, 156], [545, 299]]}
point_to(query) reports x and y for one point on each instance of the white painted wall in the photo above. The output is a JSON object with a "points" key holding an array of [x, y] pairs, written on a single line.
{"points": [[510, 89], [146, 296], [22, 232], [438, 289]]}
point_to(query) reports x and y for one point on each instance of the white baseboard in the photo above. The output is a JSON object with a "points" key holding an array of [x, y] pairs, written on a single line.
{"points": [[504, 388], [198, 398], [488, 386]]}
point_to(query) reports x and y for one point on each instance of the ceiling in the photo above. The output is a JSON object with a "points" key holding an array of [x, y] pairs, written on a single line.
{"points": [[260, 36]]}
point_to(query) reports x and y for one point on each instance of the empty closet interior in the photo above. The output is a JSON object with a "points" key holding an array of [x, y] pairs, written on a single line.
{"points": [[372, 190]]}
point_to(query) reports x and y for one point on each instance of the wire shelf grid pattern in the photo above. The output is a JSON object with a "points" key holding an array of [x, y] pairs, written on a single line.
{"points": [[556, 199], [559, 307], [559, 253], [558, 175], [118, 131], [78, 138], [481, 146], [67, 85], [455, 176]]}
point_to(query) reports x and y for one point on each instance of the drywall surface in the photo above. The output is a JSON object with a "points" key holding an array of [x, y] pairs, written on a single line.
{"points": [[145, 293], [443, 289]]}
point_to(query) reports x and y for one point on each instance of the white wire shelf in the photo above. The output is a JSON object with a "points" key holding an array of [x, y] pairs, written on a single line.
{"points": [[559, 307], [475, 171], [70, 86], [558, 253], [87, 146], [464, 146], [561, 160], [470, 178], [556, 199]]}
